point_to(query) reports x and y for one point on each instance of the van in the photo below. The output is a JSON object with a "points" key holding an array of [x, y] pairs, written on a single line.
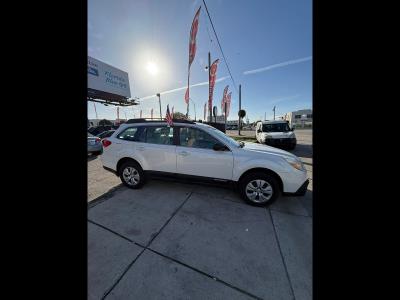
{"points": [[276, 133]]}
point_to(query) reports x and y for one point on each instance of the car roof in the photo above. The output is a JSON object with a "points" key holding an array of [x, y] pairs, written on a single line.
{"points": [[273, 122]]}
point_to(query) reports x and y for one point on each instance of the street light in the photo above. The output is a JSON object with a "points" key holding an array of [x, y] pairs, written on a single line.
{"points": [[159, 101]]}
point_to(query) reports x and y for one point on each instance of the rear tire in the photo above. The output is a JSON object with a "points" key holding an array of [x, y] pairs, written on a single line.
{"points": [[259, 189], [131, 175]]}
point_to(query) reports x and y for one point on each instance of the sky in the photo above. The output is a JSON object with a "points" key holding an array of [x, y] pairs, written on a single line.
{"points": [[267, 44]]}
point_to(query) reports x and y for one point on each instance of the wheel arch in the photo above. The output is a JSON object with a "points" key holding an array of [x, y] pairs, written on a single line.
{"points": [[123, 160], [266, 171]]}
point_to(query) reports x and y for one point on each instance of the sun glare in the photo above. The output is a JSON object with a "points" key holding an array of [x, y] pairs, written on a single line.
{"points": [[152, 68]]}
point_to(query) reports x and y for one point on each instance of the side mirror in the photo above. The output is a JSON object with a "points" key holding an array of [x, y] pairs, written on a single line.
{"points": [[219, 147], [259, 130]]}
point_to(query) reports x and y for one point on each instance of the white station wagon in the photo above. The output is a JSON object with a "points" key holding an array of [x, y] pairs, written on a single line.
{"points": [[199, 152]]}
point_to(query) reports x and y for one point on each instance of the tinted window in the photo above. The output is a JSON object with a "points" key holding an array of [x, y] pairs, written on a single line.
{"points": [[160, 135], [128, 134], [278, 127], [195, 138]]}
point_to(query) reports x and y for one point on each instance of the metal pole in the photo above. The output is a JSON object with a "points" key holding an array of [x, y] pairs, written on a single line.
{"points": [[274, 113], [225, 114], [209, 78], [240, 103], [159, 101]]}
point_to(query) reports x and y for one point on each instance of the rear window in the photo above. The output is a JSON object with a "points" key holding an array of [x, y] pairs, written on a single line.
{"points": [[129, 134]]}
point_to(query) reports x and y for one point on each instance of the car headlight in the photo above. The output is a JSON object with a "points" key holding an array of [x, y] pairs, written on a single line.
{"points": [[295, 163]]}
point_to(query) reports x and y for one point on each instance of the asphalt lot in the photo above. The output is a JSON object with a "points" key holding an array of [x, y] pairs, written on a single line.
{"points": [[173, 240]]}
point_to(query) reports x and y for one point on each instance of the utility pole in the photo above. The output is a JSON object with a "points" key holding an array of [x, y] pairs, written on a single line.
{"points": [[274, 112], [240, 104], [159, 101], [209, 79], [94, 104]]}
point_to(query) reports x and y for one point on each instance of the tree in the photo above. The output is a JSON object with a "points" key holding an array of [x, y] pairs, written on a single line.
{"points": [[105, 122], [179, 115]]}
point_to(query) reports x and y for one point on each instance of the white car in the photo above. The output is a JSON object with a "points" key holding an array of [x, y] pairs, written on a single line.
{"points": [[276, 133], [197, 151]]}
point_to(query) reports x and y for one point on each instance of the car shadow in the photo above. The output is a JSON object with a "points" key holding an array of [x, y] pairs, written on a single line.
{"points": [[92, 157]]}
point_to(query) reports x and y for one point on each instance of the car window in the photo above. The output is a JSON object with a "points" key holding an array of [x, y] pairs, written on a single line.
{"points": [[159, 135], [195, 138], [276, 127], [128, 134]]}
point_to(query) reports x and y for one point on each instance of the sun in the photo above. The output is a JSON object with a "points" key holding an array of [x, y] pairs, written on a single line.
{"points": [[152, 68]]}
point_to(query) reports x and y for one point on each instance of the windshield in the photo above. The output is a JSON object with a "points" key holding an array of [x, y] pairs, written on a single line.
{"points": [[277, 127], [224, 137]]}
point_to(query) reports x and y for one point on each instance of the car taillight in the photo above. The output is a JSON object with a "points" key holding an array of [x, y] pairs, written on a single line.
{"points": [[98, 140], [106, 143]]}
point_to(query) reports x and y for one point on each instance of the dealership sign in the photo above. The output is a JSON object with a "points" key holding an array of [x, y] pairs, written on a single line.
{"points": [[107, 82]]}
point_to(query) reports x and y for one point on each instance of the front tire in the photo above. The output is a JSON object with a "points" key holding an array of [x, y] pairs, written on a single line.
{"points": [[259, 189], [131, 175]]}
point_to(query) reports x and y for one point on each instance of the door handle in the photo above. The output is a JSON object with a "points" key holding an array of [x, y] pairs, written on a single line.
{"points": [[184, 153], [141, 148]]}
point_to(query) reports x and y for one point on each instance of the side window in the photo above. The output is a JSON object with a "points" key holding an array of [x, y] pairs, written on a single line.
{"points": [[128, 134], [195, 138], [160, 135]]}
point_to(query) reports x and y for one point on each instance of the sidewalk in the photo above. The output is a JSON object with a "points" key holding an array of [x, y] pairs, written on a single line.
{"points": [[181, 241]]}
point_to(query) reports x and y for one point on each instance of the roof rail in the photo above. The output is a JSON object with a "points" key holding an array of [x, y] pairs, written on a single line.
{"points": [[131, 121]]}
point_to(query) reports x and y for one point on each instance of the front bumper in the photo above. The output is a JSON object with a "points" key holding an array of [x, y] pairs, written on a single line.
{"points": [[281, 142], [301, 191]]}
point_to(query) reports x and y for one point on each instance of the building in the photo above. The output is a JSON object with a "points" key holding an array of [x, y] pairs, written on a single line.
{"points": [[299, 118]]}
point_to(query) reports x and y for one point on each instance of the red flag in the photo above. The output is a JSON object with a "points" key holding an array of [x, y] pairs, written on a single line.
{"points": [[224, 98], [187, 95], [151, 113], [213, 72], [140, 113], [168, 117], [205, 110], [228, 104], [193, 33], [192, 48]]}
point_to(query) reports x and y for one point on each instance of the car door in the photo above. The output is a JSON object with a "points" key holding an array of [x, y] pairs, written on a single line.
{"points": [[156, 150], [196, 156]]}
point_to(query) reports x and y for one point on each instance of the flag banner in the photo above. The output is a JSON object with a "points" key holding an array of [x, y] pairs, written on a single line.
{"points": [[151, 113], [228, 104], [224, 99], [193, 34], [213, 72], [168, 117], [192, 49], [205, 110]]}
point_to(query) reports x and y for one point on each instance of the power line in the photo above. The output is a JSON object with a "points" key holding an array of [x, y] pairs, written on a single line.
{"points": [[226, 63]]}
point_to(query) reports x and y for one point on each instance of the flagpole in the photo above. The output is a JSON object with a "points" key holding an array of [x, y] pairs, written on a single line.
{"points": [[209, 79], [187, 107]]}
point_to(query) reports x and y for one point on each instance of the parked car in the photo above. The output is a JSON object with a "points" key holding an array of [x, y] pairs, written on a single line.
{"points": [[94, 145], [200, 152], [105, 134], [276, 133]]}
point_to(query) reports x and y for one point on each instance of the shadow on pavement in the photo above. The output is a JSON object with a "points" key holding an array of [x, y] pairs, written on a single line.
{"points": [[92, 157]]}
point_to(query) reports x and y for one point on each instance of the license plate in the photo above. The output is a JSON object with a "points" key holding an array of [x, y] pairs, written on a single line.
{"points": [[92, 142]]}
